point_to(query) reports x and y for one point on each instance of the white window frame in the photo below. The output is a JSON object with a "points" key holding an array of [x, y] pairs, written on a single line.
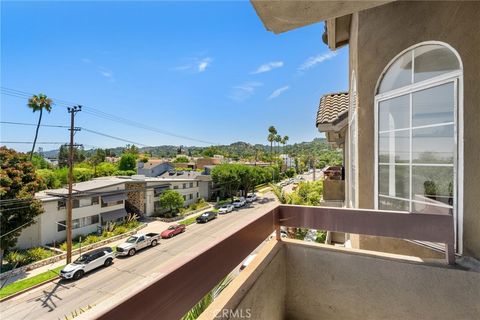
{"points": [[352, 119], [457, 78]]}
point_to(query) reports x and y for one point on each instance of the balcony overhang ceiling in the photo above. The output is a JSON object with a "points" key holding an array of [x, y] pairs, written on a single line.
{"points": [[281, 16]]}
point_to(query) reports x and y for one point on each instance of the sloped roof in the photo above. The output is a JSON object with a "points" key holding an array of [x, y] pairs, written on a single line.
{"points": [[333, 108], [150, 164]]}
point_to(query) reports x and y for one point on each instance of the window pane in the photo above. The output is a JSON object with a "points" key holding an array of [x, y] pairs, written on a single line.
{"points": [[432, 184], [392, 204], [434, 105], [431, 206], [433, 60], [398, 75], [394, 181], [433, 145], [394, 147], [394, 113]]}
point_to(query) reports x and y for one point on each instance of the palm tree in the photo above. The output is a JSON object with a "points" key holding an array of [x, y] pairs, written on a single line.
{"points": [[271, 138], [38, 103], [278, 139], [284, 142]]}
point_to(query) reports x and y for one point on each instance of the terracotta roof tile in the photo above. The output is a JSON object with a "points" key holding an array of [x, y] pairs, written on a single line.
{"points": [[332, 107]]}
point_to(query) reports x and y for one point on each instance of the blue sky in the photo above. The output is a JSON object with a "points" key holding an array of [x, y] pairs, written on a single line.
{"points": [[208, 70]]}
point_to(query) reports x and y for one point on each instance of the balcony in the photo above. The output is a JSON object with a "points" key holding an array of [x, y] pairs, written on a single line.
{"points": [[289, 279]]}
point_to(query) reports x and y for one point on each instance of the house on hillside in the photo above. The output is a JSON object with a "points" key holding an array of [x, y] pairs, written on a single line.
{"points": [[153, 168]]}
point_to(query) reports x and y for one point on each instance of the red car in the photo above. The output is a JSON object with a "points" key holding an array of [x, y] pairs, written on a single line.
{"points": [[173, 230]]}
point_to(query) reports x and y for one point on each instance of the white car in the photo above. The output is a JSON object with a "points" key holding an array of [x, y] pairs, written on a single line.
{"points": [[251, 197], [226, 208], [239, 203], [88, 262]]}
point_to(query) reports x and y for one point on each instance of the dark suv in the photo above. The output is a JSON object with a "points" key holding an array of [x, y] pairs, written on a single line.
{"points": [[207, 216]]}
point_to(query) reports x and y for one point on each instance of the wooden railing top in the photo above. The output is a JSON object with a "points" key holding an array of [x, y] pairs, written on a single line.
{"points": [[186, 282]]}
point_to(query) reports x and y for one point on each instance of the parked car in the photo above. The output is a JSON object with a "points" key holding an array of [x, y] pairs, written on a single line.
{"points": [[247, 261], [239, 202], [137, 242], [88, 262], [226, 208], [251, 197], [207, 216], [173, 230]]}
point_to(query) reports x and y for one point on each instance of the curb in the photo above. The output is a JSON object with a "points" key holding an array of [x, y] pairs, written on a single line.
{"points": [[13, 295]]}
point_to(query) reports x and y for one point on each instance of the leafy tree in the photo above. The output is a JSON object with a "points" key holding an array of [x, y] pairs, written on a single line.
{"points": [[133, 149], [128, 161], [106, 169], [181, 159], [97, 158], [39, 162], [290, 172], [246, 174], [17, 190], [226, 175], [78, 156], [171, 200], [49, 178], [278, 139], [39, 103]]}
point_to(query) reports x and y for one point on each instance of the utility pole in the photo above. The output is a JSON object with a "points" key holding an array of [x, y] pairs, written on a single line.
{"points": [[72, 129]]}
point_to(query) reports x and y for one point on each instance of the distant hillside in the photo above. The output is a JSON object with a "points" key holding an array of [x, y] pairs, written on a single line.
{"points": [[234, 150]]}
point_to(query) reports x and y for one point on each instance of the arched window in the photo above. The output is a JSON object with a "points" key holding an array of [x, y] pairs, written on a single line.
{"points": [[352, 144], [417, 131]]}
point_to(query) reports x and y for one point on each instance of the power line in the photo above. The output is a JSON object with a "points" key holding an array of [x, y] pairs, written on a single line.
{"points": [[104, 115], [29, 142], [33, 124], [82, 128]]}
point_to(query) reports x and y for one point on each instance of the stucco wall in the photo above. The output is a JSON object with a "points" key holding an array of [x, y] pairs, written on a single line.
{"points": [[384, 32], [329, 283]]}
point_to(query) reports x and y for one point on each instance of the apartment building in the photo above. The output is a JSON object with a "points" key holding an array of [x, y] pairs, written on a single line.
{"points": [[95, 203]]}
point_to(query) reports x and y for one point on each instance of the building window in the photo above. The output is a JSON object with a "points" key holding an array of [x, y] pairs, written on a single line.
{"points": [[61, 225], [61, 204], [417, 132], [75, 203], [190, 196], [110, 204], [79, 223], [352, 144], [197, 183], [197, 194], [94, 201], [184, 186], [191, 185], [175, 187]]}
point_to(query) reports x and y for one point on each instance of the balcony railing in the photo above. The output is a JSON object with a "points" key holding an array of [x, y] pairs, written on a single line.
{"points": [[333, 190], [185, 282]]}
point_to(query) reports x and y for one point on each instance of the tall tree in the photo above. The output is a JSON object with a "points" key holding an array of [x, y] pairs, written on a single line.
{"points": [[128, 161], [171, 200], [38, 103], [278, 139], [272, 132], [284, 142], [18, 207]]}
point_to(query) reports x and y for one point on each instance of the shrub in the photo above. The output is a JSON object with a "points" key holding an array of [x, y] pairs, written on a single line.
{"points": [[107, 234], [15, 257], [37, 254], [120, 230], [63, 246], [91, 239], [131, 224]]}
